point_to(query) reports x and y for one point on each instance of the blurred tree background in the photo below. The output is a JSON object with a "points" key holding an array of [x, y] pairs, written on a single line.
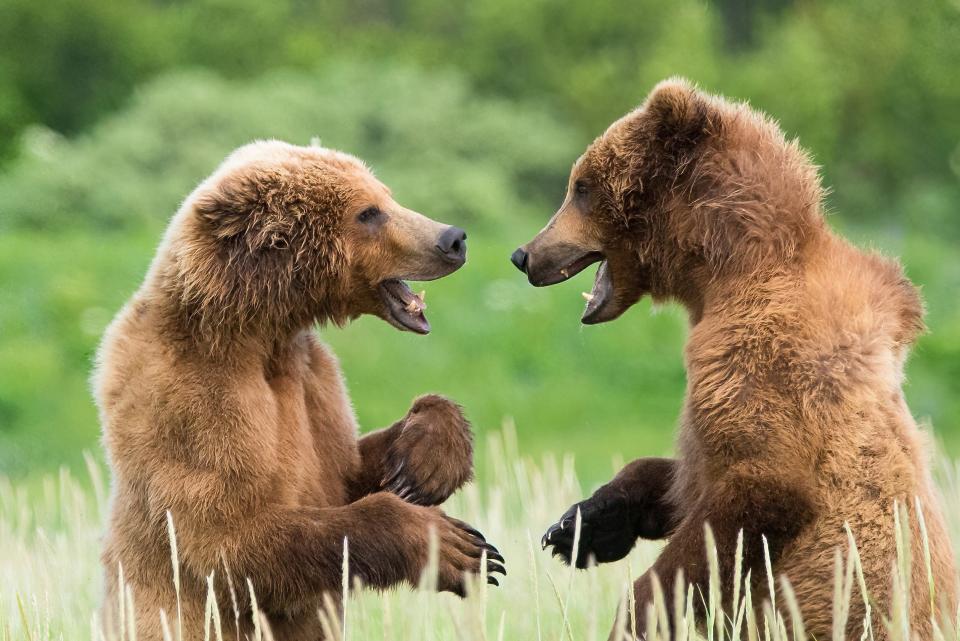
{"points": [[111, 111]]}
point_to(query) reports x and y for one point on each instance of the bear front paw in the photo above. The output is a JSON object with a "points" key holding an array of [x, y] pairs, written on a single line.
{"points": [[432, 454], [606, 531], [462, 552]]}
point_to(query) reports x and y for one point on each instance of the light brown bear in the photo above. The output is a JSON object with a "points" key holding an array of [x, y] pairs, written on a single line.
{"points": [[220, 405], [794, 421]]}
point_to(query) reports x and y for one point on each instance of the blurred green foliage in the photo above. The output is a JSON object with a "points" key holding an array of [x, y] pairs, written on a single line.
{"points": [[110, 112], [870, 85], [450, 150]]}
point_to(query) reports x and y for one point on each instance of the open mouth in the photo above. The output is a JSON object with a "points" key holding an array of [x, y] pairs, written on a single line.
{"points": [[571, 270], [405, 307], [599, 297]]}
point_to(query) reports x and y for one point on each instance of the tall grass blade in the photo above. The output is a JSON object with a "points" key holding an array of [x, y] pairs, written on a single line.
{"points": [[793, 607], [563, 610], [175, 561], [535, 584], [927, 562], [345, 585]]}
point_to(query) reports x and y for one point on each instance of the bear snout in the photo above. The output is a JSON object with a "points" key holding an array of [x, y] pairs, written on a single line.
{"points": [[519, 259], [452, 243]]}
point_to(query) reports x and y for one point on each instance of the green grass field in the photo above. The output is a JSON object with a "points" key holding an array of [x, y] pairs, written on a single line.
{"points": [[50, 573]]}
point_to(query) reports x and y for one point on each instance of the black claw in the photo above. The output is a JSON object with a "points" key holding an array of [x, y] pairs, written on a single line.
{"points": [[493, 554], [394, 477], [477, 534], [493, 581], [565, 539], [493, 566], [472, 531], [387, 482], [555, 534]]}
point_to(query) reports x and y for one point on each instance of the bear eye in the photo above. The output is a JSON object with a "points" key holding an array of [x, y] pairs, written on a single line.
{"points": [[369, 215], [580, 188]]}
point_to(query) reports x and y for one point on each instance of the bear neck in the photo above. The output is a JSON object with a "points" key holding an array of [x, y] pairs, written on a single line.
{"points": [[733, 227], [218, 326], [705, 288], [818, 276]]}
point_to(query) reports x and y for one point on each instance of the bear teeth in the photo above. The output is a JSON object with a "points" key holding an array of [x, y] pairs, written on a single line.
{"points": [[416, 306], [587, 296]]}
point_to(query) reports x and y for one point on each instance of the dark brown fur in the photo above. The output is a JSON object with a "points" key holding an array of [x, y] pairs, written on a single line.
{"points": [[221, 406], [427, 455], [794, 421]]}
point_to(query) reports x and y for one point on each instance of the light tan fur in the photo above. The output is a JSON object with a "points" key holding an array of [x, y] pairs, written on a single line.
{"points": [[221, 406], [794, 423]]}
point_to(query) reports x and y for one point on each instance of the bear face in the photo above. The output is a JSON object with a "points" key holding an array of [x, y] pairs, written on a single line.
{"points": [[673, 194], [281, 236]]}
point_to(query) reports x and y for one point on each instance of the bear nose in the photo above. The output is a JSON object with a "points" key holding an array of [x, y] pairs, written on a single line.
{"points": [[453, 243], [519, 258]]}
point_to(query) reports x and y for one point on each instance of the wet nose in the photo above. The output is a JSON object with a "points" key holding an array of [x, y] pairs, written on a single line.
{"points": [[519, 258], [453, 243]]}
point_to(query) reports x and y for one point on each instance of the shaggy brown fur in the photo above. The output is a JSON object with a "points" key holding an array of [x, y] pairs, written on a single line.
{"points": [[794, 421], [220, 405]]}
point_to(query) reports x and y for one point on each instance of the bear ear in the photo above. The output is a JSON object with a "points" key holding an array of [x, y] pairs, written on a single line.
{"points": [[240, 207], [225, 208], [679, 112]]}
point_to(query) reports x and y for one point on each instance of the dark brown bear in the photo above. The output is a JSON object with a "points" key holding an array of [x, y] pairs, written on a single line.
{"points": [[794, 422], [221, 406]]}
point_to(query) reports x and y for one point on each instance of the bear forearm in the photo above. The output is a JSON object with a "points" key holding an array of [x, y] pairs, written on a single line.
{"points": [[292, 557], [374, 448], [643, 485], [633, 505]]}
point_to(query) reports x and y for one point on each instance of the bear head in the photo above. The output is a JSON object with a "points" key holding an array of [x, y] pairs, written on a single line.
{"points": [[281, 236], [684, 189]]}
